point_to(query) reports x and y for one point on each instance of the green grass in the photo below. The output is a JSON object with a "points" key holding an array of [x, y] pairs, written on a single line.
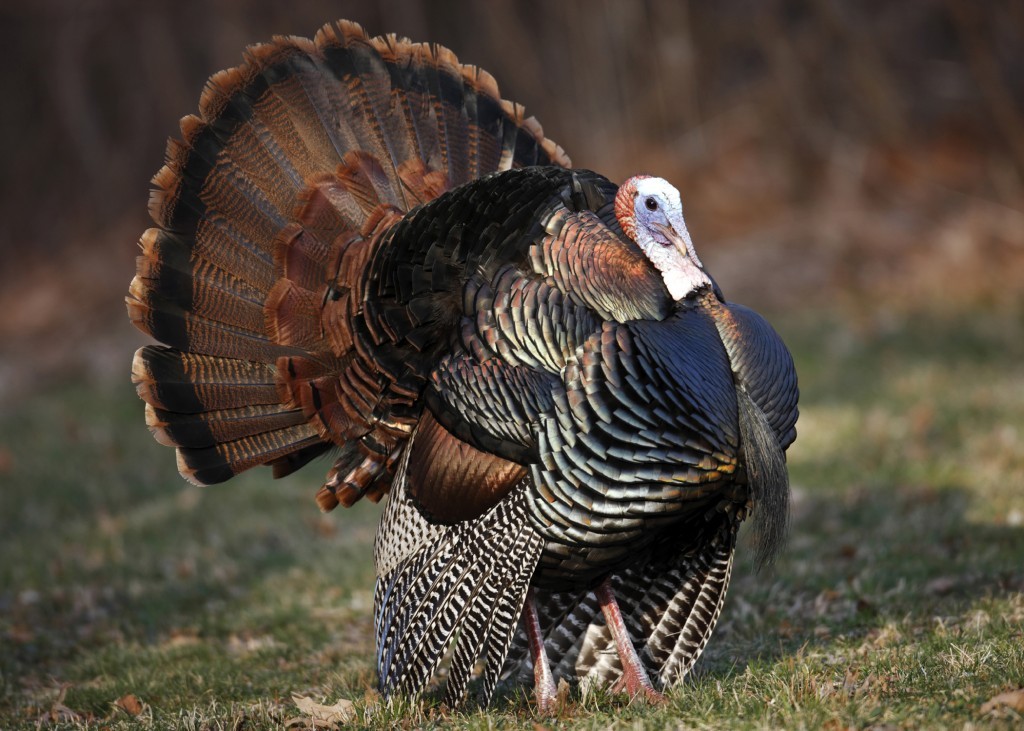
{"points": [[899, 602]]}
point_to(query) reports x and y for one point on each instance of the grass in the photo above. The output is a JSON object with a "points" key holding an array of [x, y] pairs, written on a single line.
{"points": [[899, 602]]}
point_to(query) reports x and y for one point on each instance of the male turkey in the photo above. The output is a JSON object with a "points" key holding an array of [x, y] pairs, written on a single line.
{"points": [[361, 249]]}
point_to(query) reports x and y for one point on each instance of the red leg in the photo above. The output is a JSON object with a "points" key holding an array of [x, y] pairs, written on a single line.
{"points": [[544, 688], [634, 676]]}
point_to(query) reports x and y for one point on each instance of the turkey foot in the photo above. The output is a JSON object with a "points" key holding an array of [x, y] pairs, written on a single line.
{"points": [[544, 689], [634, 678]]}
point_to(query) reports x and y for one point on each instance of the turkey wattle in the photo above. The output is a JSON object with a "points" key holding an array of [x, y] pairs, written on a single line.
{"points": [[360, 249]]}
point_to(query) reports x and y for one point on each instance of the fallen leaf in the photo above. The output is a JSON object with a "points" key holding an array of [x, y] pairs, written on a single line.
{"points": [[129, 704], [562, 692], [834, 724], [59, 713], [182, 638], [864, 606], [322, 716], [21, 634], [1010, 699], [941, 585], [847, 551]]}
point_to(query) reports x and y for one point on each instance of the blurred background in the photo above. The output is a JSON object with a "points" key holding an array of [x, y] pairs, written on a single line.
{"points": [[865, 157]]}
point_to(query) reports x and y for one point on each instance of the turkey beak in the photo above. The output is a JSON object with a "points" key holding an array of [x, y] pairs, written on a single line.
{"points": [[681, 241]]}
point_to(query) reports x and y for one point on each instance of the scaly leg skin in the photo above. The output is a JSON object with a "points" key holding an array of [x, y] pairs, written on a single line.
{"points": [[634, 677], [544, 688]]}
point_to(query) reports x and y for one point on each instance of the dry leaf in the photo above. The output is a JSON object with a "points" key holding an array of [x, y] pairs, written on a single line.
{"points": [[21, 634], [834, 724], [941, 585], [562, 692], [59, 713], [1010, 699], [323, 716], [129, 704]]}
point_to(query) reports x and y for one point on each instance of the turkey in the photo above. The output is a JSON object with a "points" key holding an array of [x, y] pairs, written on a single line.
{"points": [[360, 250]]}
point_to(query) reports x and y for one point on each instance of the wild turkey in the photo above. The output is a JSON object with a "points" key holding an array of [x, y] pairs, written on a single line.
{"points": [[361, 249]]}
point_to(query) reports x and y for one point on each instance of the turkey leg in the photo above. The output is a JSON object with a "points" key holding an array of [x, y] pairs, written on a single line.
{"points": [[544, 688], [634, 678]]}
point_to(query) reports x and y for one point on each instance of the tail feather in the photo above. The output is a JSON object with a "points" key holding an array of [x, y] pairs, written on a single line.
{"points": [[219, 247], [223, 414], [210, 428], [298, 101], [251, 147], [210, 465], [301, 257], [268, 211], [165, 266], [518, 147], [188, 383], [412, 96], [446, 87], [284, 466], [366, 181], [484, 120], [353, 58], [291, 316], [177, 326], [228, 197]]}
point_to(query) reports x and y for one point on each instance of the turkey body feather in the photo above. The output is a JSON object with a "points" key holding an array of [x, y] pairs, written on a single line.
{"points": [[361, 249]]}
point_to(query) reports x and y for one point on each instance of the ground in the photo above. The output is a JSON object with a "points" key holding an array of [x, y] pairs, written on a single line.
{"points": [[132, 600]]}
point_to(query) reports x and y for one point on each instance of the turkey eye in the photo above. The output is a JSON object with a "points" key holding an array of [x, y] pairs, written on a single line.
{"points": [[652, 205]]}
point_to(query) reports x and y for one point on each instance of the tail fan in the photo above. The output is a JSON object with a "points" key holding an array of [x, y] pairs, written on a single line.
{"points": [[268, 212]]}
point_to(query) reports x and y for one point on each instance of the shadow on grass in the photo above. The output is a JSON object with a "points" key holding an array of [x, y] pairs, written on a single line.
{"points": [[870, 558], [117, 577]]}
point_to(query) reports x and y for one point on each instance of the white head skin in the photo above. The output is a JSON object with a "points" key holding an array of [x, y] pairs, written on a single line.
{"points": [[650, 212]]}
